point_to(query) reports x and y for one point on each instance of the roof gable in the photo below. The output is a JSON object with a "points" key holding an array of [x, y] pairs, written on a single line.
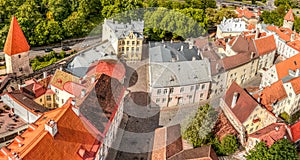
{"points": [[289, 16], [245, 104], [15, 42], [265, 45], [291, 63]]}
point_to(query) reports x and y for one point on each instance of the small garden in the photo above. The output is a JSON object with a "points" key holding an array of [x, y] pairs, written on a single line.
{"points": [[290, 119], [40, 62]]}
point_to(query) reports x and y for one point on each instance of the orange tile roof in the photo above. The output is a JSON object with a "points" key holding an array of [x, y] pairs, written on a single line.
{"points": [[73, 88], [60, 78], [289, 16], [251, 26], [270, 135], [15, 41], [245, 104], [283, 67], [295, 82], [265, 45], [245, 12], [73, 135], [283, 33], [271, 94], [295, 44], [295, 131], [111, 68]]}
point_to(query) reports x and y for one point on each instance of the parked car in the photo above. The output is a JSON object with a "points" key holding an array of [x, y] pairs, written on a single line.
{"points": [[66, 48], [48, 49]]}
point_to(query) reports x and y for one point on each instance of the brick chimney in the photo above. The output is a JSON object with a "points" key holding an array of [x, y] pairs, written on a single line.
{"points": [[51, 127]]}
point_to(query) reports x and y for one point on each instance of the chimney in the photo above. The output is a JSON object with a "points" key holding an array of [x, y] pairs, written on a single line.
{"points": [[258, 99], [252, 55], [51, 127], [297, 72], [61, 67], [234, 99], [293, 37], [73, 102], [181, 48], [194, 58], [45, 74], [83, 91], [173, 59], [257, 33], [276, 128], [93, 79]]}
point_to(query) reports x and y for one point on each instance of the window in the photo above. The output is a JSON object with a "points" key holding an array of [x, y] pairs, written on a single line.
{"points": [[127, 48], [163, 100], [62, 101], [201, 95], [192, 88], [127, 42], [49, 105], [48, 98], [132, 42], [56, 91], [132, 49], [165, 91], [171, 90], [137, 49], [19, 56], [251, 130], [158, 91], [21, 69], [41, 100], [138, 42], [203, 86], [181, 89], [197, 87], [170, 99], [157, 100]]}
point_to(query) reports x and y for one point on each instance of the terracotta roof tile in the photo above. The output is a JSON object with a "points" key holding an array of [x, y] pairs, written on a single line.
{"points": [[245, 103], [295, 131], [236, 60], [295, 82], [295, 44], [73, 135], [73, 88], [245, 13], [111, 68], [292, 63], [60, 78], [265, 45], [15, 42], [289, 16], [271, 94], [271, 133], [204, 152]]}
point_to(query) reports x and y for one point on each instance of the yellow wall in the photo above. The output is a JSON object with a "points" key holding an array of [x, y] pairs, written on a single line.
{"points": [[131, 47]]}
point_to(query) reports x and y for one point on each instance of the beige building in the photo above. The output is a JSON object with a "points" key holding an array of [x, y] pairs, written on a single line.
{"points": [[230, 27], [126, 38], [244, 113], [16, 50]]}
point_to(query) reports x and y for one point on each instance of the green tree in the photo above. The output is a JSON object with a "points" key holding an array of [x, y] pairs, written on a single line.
{"points": [[282, 149], [191, 130], [227, 146]]}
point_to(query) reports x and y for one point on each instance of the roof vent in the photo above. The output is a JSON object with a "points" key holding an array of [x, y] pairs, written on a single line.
{"points": [[51, 127], [234, 99], [276, 128]]}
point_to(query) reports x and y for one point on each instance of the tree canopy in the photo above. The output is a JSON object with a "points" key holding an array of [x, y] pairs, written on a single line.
{"points": [[49, 21], [282, 149], [199, 127]]}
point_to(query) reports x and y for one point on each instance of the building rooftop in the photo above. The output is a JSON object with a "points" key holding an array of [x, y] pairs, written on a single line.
{"points": [[74, 139], [80, 64], [26, 102], [265, 45], [272, 94], [271, 133], [232, 25], [166, 51], [295, 131], [283, 68], [121, 29], [9, 123], [289, 16], [204, 152], [245, 104], [111, 68], [60, 78], [180, 73], [245, 12], [15, 42], [101, 103], [283, 33]]}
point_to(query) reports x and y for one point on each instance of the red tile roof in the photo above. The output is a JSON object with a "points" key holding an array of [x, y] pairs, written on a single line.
{"points": [[271, 133], [295, 131], [283, 33], [74, 88], [271, 94], [245, 104], [15, 41], [265, 45], [295, 82], [289, 16], [111, 68], [283, 67], [251, 26], [236, 60], [295, 44], [60, 78], [72, 137], [245, 12]]}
